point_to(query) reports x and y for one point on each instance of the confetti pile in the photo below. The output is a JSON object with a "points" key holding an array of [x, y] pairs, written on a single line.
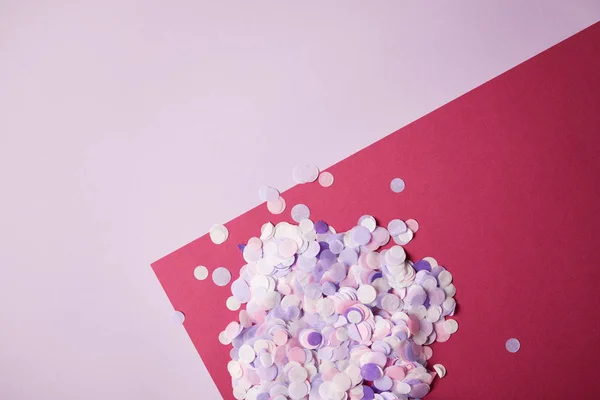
{"points": [[329, 317]]}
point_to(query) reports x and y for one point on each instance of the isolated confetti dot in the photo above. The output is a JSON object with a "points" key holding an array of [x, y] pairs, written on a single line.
{"points": [[513, 345], [201, 272], [177, 317], [397, 185]]}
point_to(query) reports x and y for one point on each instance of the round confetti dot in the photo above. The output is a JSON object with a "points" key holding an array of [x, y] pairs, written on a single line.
{"points": [[201, 272], [300, 212], [513, 345], [297, 390], [413, 225], [390, 302], [221, 276], [177, 317], [224, 339], [451, 326], [444, 278], [306, 226], [342, 382], [397, 185], [403, 388], [218, 234], [326, 179], [396, 227], [267, 231], [297, 374], [239, 393], [233, 304], [368, 222], [246, 354], [235, 369], [404, 238], [306, 173], [277, 206], [361, 235], [267, 193], [371, 372], [366, 294], [384, 383]]}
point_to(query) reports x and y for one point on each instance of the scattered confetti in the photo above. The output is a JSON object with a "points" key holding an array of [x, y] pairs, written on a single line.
{"points": [[306, 173], [413, 225], [404, 238], [233, 304], [221, 276], [326, 179], [267, 193], [277, 206], [201, 272], [218, 234], [513, 345], [440, 370], [300, 212], [177, 317], [396, 227], [451, 326], [368, 222], [331, 316], [397, 185]]}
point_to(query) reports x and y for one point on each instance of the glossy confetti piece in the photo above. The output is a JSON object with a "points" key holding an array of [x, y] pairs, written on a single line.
{"points": [[513, 345], [221, 276], [201, 272], [397, 185], [326, 179], [218, 234]]}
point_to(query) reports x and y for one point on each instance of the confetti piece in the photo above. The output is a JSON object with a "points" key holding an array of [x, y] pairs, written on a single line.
{"points": [[306, 173], [267, 193], [397, 185], [326, 179], [221, 276], [201, 272], [513, 345], [233, 304], [300, 212], [177, 317], [218, 234], [412, 225], [277, 206]]}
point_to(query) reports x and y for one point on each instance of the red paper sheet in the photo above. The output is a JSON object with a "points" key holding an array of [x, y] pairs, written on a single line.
{"points": [[505, 183]]}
